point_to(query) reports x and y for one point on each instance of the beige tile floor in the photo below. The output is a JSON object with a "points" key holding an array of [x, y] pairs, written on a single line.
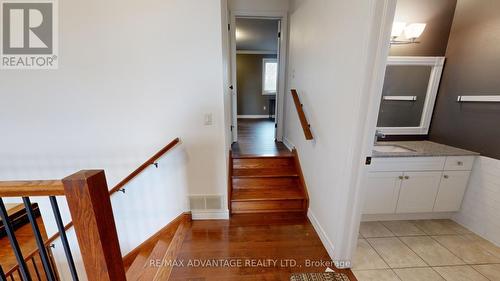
{"points": [[424, 250]]}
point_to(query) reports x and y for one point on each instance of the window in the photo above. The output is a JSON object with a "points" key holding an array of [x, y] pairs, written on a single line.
{"points": [[269, 76]]}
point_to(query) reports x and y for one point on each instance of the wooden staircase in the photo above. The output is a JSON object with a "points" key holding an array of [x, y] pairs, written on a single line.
{"points": [[267, 184], [149, 261]]}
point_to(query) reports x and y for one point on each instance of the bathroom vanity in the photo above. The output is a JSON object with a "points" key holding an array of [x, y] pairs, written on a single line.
{"points": [[416, 177]]}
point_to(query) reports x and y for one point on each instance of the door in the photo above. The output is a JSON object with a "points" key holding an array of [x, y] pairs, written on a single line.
{"points": [[382, 192], [278, 58], [233, 88], [451, 191], [418, 192]]}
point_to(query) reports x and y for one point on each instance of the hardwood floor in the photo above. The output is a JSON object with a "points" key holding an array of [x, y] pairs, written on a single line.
{"points": [[259, 247], [256, 137]]}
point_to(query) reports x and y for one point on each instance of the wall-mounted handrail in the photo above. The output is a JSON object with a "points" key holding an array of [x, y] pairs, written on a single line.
{"points": [[302, 117], [149, 162]]}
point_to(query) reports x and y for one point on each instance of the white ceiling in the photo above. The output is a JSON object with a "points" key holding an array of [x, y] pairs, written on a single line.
{"points": [[256, 34]]}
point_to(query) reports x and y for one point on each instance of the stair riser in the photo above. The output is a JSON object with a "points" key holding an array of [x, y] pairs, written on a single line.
{"points": [[263, 163], [267, 206], [265, 183]]}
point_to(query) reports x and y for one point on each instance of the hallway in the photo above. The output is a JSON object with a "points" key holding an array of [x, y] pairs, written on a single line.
{"points": [[256, 137]]}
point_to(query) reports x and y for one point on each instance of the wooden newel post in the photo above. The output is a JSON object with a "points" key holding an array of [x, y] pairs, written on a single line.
{"points": [[90, 206]]}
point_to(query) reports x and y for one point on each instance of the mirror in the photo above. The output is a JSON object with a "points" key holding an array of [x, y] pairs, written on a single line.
{"points": [[409, 94]]}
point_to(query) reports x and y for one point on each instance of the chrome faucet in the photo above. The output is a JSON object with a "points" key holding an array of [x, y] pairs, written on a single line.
{"points": [[378, 134]]}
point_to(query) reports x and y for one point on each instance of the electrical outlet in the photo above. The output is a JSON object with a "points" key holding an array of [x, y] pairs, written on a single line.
{"points": [[208, 119]]}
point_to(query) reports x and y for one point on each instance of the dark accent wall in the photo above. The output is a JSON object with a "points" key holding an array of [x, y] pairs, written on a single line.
{"points": [[472, 68], [249, 85], [438, 14], [402, 80]]}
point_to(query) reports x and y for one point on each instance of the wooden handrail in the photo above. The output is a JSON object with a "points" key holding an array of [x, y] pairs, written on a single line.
{"points": [[56, 187], [302, 117], [143, 167], [31, 188]]}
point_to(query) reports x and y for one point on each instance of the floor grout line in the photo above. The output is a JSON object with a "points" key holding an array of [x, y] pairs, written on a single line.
{"points": [[432, 237]]}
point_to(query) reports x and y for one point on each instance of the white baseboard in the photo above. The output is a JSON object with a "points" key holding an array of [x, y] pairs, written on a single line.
{"points": [[255, 116], [288, 143], [210, 214], [321, 233], [414, 216]]}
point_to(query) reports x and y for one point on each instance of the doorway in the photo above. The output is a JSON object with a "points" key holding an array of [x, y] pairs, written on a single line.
{"points": [[257, 83]]}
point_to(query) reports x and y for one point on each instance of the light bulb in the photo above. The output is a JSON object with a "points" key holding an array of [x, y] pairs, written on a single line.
{"points": [[414, 30], [397, 29]]}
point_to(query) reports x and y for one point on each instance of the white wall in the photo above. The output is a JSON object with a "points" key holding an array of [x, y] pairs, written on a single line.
{"points": [[259, 5], [480, 210], [332, 53], [132, 76]]}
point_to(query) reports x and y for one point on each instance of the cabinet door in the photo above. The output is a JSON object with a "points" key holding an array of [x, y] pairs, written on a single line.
{"points": [[451, 191], [382, 192], [418, 192]]}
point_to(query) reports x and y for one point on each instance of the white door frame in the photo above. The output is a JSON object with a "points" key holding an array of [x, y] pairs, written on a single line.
{"points": [[379, 38], [280, 95]]}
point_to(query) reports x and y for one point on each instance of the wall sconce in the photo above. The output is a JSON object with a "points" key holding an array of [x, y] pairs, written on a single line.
{"points": [[411, 32]]}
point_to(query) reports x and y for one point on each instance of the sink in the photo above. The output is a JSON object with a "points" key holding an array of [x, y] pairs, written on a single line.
{"points": [[391, 148]]}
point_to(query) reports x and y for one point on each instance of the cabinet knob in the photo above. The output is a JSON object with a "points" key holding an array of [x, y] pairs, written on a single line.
{"points": [[446, 176], [407, 177], [400, 177], [460, 163]]}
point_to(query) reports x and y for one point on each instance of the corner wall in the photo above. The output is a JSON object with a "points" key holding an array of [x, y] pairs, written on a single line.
{"points": [[329, 65]]}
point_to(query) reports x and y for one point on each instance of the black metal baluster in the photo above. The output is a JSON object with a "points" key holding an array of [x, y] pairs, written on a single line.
{"points": [[36, 268], [52, 262], [64, 238], [9, 229], [39, 240], [2, 274]]}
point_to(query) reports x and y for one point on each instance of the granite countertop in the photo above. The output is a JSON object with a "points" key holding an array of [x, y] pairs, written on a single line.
{"points": [[422, 148]]}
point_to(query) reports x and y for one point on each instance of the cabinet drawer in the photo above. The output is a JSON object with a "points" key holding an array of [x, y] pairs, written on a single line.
{"points": [[459, 163], [407, 164]]}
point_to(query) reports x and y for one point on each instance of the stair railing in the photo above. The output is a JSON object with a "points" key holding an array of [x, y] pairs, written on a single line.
{"points": [[306, 127], [89, 203]]}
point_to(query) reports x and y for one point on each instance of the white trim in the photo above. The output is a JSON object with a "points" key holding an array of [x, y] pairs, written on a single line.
{"points": [[491, 98], [321, 233], [377, 48], [254, 52], [288, 143], [210, 214], [283, 48], [437, 64], [412, 216], [400, 98], [255, 116]]}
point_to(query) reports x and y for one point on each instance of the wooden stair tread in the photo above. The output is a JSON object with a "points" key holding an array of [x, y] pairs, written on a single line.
{"points": [[265, 183], [268, 194], [263, 173], [165, 250], [137, 266]]}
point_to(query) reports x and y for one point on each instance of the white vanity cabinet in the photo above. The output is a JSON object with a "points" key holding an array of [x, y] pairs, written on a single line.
{"points": [[451, 191], [383, 192], [397, 185], [418, 192]]}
